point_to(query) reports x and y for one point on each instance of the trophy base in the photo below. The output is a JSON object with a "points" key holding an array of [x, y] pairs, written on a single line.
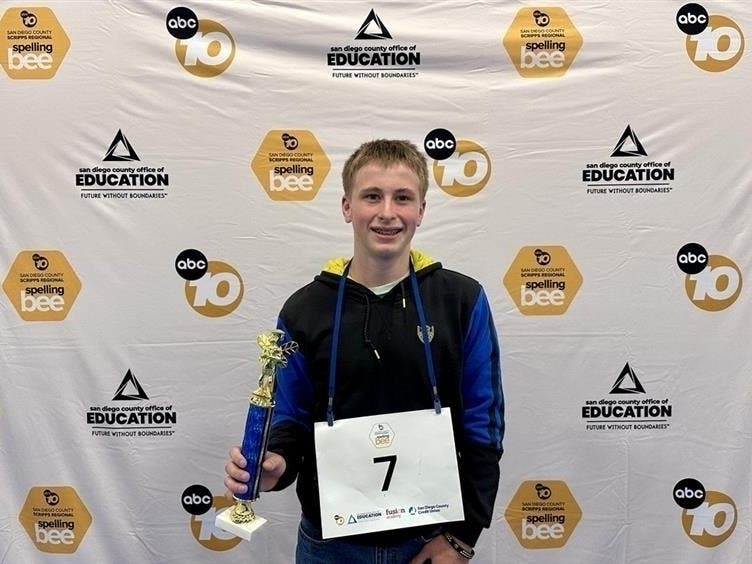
{"points": [[242, 530]]}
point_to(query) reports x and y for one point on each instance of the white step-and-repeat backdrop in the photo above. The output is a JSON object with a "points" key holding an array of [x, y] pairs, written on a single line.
{"points": [[170, 173]]}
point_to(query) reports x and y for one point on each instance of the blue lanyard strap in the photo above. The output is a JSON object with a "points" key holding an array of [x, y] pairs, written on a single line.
{"points": [[336, 334], [335, 345], [426, 340]]}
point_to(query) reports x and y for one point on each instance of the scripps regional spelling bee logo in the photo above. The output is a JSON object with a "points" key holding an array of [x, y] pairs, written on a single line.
{"points": [[290, 165], [542, 42], [543, 280], [55, 518], [543, 514], [42, 285], [714, 42], [33, 44]]}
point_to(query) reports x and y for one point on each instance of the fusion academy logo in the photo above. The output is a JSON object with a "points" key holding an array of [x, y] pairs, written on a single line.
{"points": [[32, 43], [712, 282], [373, 55], [714, 43], [130, 414], [628, 407], [212, 288], [42, 285], [55, 518], [122, 180], [460, 167], [543, 514], [542, 42], [708, 517], [624, 175], [204, 48]]}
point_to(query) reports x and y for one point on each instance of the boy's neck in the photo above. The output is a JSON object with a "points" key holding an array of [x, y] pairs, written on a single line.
{"points": [[374, 272]]}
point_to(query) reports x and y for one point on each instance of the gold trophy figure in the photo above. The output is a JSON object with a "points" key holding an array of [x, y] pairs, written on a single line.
{"points": [[240, 519]]}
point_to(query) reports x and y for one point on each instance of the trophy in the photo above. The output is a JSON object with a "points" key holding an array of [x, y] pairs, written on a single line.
{"points": [[240, 519]]}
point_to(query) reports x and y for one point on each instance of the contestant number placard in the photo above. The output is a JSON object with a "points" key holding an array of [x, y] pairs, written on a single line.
{"points": [[385, 472]]}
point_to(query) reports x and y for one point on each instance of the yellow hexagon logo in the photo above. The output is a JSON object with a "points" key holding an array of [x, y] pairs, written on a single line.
{"points": [[55, 518], [33, 44], [290, 165], [543, 280], [542, 42], [543, 514], [42, 285]]}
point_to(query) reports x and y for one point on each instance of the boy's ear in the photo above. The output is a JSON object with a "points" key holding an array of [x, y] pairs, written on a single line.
{"points": [[346, 211]]}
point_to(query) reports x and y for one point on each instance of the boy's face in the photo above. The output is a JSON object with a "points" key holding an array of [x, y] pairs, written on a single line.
{"points": [[385, 208]]}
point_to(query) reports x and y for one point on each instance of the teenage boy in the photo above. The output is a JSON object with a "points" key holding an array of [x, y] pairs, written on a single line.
{"points": [[388, 331]]}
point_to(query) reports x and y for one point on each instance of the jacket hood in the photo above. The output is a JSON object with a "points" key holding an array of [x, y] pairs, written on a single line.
{"points": [[420, 261]]}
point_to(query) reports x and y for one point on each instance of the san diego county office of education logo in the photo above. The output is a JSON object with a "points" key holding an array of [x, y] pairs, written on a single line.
{"points": [[373, 54], [130, 414], [628, 407], [123, 175], [629, 171]]}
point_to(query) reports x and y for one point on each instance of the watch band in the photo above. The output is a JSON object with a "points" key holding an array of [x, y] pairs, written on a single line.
{"points": [[461, 550]]}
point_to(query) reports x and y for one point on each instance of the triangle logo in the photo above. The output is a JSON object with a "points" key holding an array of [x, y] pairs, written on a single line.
{"points": [[120, 149], [629, 145], [129, 389], [352, 520], [371, 22], [627, 382]]}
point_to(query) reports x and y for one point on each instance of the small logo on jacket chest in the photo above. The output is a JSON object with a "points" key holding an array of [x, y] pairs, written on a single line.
{"points": [[430, 330]]}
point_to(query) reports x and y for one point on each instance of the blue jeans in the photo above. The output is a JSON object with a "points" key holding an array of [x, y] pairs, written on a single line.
{"points": [[312, 550]]}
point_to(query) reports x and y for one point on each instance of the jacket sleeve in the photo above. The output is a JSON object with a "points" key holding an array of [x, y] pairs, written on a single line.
{"points": [[480, 441], [291, 421]]}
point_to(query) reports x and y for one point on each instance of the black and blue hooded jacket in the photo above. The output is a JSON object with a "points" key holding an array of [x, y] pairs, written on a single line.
{"points": [[381, 368]]}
